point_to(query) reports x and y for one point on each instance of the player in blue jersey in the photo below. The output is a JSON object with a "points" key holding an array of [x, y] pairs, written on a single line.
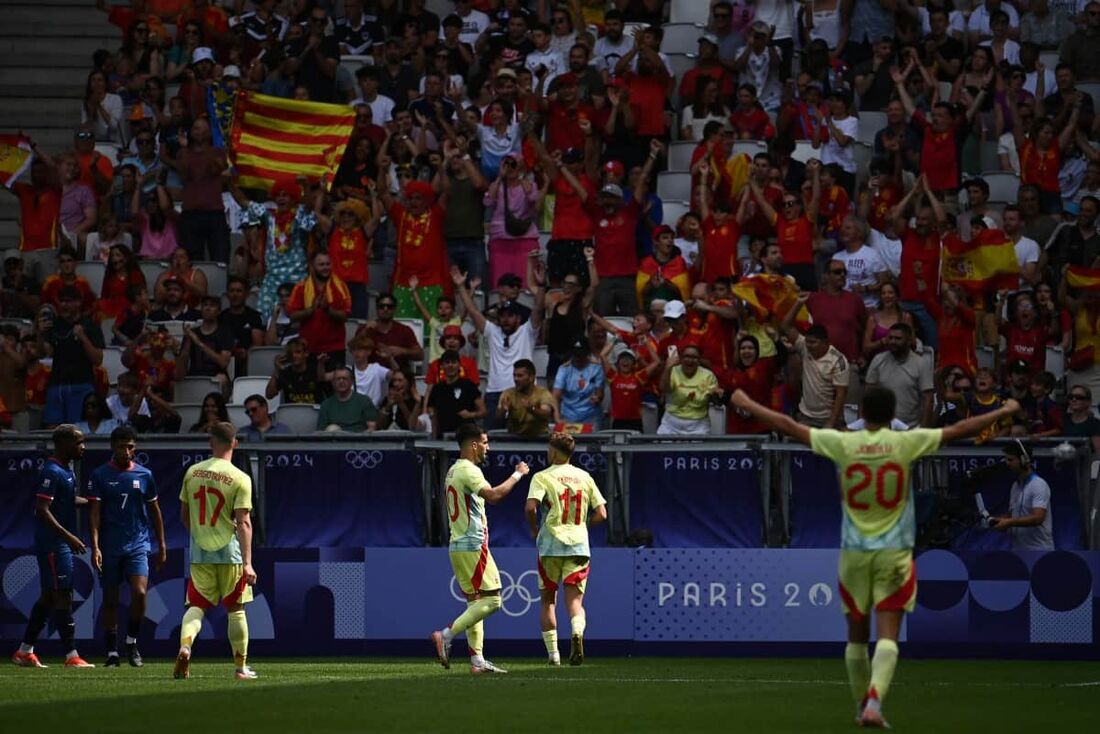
{"points": [[123, 497], [55, 542]]}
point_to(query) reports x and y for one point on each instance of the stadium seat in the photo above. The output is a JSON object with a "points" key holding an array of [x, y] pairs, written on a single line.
{"points": [[93, 273], [245, 386], [717, 416], [1056, 362], [261, 360], [680, 63], [541, 358], [25, 326], [174, 328], [112, 362], [945, 91], [681, 38], [354, 63], [674, 185], [216, 276], [421, 385], [109, 150], [804, 151], [152, 269], [1049, 59], [989, 159], [299, 417], [1004, 186], [690, 11], [649, 418], [237, 416], [350, 327], [673, 210], [749, 147], [863, 154], [679, 155], [194, 389], [986, 358], [417, 325], [621, 322], [851, 413], [189, 412], [869, 124]]}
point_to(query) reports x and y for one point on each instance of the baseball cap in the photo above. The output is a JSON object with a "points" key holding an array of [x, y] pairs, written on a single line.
{"points": [[508, 72], [202, 53], [231, 72], [615, 168], [675, 310], [661, 229], [612, 190]]}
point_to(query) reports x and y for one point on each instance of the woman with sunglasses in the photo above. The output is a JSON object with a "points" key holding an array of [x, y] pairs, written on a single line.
{"points": [[179, 56], [95, 417], [102, 109], [141, 49], [1081, 420]]}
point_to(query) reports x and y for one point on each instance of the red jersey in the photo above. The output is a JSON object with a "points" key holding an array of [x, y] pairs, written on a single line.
{"points": [[714, 335], [1040, 167], [157, 373], [939, 154], [757, 381], [39, 211], [616, 251], [692, 75], [754, 123], [572, 220], [648, 95], [758, 225], [796, 240], [882, 201], [348, 250], [35, 384], [920, 263], [113, 301], [1029, 345], [626, 394], [321, 331], [467, 370], [563, 130], [421, 250], [720, 249], [833, 207]]}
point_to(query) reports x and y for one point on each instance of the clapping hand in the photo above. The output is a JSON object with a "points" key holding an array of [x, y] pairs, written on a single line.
{"points": [[458, 277]]}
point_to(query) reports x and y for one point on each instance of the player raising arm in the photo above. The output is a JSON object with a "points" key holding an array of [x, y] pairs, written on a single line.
{"points": [[562, 541], [473, 564], [123, 499], [879, 527], [214, 506]]}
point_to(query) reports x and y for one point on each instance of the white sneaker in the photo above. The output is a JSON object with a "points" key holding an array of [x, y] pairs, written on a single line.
{"points": [[246, 673], [871, 717], [555, 660], [484, 666]]}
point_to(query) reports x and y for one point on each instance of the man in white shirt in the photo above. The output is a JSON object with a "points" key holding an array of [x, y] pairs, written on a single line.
{"points": [[509, 341], [867, 270], [612, 45], [1027, 249], [545, 62], [474, 22], [888, 248], [381, 106], [978, 24]]}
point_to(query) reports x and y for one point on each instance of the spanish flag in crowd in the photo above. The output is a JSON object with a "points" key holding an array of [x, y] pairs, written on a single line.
{"points": [[772, 297], [275, 138], [1086, 279], [987, 262], [15, 157]]}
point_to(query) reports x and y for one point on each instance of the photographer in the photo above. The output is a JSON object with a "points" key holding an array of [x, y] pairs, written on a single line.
{"points": [[1029, 525]]}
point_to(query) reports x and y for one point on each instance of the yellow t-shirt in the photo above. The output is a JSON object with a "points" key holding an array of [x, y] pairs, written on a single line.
{"points": [[465, 507], [567, 494], [687, 397], [212, 490]]}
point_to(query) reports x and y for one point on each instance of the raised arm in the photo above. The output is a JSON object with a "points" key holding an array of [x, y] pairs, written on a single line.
{"points": [[493, 495], [778, 422], [814, 168], [459, 279], [975, 424]]}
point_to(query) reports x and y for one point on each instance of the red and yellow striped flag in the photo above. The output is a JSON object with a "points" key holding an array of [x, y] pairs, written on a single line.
{"points": [[1086, 279], [275, 138], [987, 262], [15, 157], [770, 297]]}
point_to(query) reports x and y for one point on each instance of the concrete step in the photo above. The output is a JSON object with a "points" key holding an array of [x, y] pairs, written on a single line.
{"points": [[54, 4], [53, 51], [53, 139], [26, 113], [47, 76], [69, 90], [22, 13], [9, 208]]}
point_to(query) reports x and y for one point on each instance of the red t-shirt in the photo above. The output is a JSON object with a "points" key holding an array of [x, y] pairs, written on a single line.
{"points": [[572, 220], [398, 335], [692, 76], [421, 250], [833, 207], [882, 201], [105, 166], [38, 217], [626, 394], [714, 336], [755, 122], [616, 251], [957, 338], [720, 249], [53, 285], [1029, 345], [796, 239], [920, 259], [1041, 167], [113, 301], [467, 370], [939, 154], [843, 316], [562, 126], [758, 225], [348, 251], [322, 332], [648, 95], [757, 381]]}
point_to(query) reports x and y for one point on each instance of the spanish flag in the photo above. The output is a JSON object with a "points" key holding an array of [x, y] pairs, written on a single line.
{"points": [[1086, 279], [987, 262], [772, 297], [15, 157], [275, 138]]}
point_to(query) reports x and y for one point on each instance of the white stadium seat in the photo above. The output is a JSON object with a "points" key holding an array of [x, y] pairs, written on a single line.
{"points": [[673, 210], [690, 11], [1003, 186], [674, 185], [681, 38], [679, 155], [93, 273]]}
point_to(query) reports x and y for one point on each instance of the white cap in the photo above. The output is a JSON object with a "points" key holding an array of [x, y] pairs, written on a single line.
{"points": [[675, 310], [232, 71], [202, 53]]}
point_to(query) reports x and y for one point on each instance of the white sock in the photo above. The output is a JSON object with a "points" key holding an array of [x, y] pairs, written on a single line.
{"points": [[72, 654], [476, 660], [113, 654], [26, 649], [447, 634], [130, 640], [185, 650]]}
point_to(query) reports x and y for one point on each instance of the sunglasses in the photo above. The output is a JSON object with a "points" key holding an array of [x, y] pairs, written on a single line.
{"points": [[84, 136], [789, 203], [1078, 397], [570, 283], [839, 272], [387, 306]]}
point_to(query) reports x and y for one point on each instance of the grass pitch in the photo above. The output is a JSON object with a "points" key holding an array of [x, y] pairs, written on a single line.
{"points": [[603, 695]]}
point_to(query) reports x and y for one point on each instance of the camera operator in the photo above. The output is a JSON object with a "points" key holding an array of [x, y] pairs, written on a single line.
{"points": [[1029, 525]]}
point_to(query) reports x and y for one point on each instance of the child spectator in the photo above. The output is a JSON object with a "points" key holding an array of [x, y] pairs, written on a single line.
{"points": [[453, 339], [1043, 415], [130, 323], [369, 376], [628, 382], [444, 317]]}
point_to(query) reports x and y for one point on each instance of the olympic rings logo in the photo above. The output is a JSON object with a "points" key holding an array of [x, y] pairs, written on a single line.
{"points": [[142, 458], [363, 459], [592, 461], [510, 587]]}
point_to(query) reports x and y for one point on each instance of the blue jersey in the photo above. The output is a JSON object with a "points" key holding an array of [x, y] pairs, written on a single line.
{"points": [[122, 495], [56, 483]]}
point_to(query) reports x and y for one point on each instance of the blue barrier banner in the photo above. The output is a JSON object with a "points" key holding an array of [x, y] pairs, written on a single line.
{"points": [[19, 473], [507, 521], [318, 499], [719, 595], [434, 598], [697, 500], [815, 502]]}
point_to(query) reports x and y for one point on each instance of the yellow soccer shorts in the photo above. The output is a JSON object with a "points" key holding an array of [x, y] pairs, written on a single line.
{"points": [[210, 582], [475, 571], [567, 570], [886, 579]]}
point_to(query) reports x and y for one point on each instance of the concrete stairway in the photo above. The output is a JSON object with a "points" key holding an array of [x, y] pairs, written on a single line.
{"points": [[46, 49]]}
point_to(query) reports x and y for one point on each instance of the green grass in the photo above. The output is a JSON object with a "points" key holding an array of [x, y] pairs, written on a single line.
{"points": [[604, 695]]}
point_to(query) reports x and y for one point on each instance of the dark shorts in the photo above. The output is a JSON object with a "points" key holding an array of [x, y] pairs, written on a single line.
{"points": [[55, 569], [121, 567]]}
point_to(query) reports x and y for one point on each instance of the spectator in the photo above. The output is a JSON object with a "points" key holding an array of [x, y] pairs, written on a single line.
{"points": [[66, 276], [370, 377], [579, 388], [13, 369], [1079, 50], [173, 307], [664, 274], [349, 246], [687, 388], [694, 86], [1084, 363], [95, 170], [508, 289], [704, 106], [39, 212], [977, 193], [191, 280], [1079, 243], [208, 348], [130, 324], [1054, 317], [346, 409], [102, 109], [839, 148], [400, 408], [203, 228], [512, 200], [753, 375], [393, 339], [122, 274], [527, 408], [242, 321], [565, 315], [95, 418], [628, 384], [421, 249], [1043, 415], [128, 405], [75, 343], [920, 259], [381, 106], [544, 62], [760, 63], [321, 304], [865, 268], [795, 229], [1080, 421], [297, 376], [825, 374], [573, 227], [147, 357], [19, 293], [1044, 25], [213, 411], [164, 419], [509, 341], [1037, 226], [280, 329], [957, 329], [1004, 49], [513, 45], [314, 58], [906, 374], [749, 120], [1041, 156], [452, 339], [78, 212], [1066, 94], [1025, 336], [904, 138], [453, 400], [1027, 249], [942, 48], [260, 422]]}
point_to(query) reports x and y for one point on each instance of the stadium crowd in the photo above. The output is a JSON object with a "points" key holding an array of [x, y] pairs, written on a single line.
{"points": [[569, 213]]}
